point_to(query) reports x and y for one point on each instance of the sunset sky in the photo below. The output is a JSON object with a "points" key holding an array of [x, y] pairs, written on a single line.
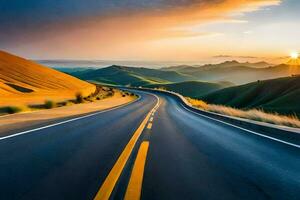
{"points": [[157, 30]]}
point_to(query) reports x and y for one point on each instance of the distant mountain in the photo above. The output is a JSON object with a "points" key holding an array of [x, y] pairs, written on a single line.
{"points": [[235, 72], [22, 79], [190, 88], [226, 64], [235, 63], [179, 68], [121, 75], [231, 72], [261, 64], [276, 95]]}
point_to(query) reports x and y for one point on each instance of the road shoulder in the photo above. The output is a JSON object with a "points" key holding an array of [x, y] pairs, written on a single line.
{"points": [[24, 121]]}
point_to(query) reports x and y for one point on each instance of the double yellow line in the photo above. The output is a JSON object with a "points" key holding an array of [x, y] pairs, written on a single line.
{"points": [[134, 186]]}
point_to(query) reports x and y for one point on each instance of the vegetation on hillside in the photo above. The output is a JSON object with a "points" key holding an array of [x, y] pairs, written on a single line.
{"points": [[100, 93], [253, 114]]}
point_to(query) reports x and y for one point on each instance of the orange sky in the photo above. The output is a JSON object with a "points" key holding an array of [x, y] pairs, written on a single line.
{"points": [[193, 31]]}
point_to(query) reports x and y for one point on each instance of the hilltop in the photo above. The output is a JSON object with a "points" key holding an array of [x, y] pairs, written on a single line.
{"points": [[24, 81], [280, 95]]}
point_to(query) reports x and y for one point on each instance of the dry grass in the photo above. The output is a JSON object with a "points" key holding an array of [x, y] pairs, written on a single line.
{"points": [[28, 119], [24, 82], [253, 114], [100, 94]]}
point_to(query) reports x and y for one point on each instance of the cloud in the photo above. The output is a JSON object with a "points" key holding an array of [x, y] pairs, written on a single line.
{"points": [[232, 56], [223, 56], [100, 26], [248, 32], [249, 57]]}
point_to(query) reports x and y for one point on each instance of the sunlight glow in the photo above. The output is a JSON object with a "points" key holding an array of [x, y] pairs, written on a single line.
{"points": [[294, 55]]}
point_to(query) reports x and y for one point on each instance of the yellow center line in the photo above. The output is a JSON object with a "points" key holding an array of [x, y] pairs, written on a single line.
{"points": [[113, 176], [149, 125], [134, 187]]}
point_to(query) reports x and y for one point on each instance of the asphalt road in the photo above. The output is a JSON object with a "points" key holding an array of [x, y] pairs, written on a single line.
{"points": [[165, 153]]}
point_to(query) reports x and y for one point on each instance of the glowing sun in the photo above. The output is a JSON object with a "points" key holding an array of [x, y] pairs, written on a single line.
{"points": [[294, 55]]}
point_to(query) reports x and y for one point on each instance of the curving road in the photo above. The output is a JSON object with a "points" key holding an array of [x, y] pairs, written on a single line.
{"points": [[149, 149]]}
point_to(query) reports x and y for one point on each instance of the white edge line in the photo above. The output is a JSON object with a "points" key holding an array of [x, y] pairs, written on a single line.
{"points": [[253, 132], [67, 121]]}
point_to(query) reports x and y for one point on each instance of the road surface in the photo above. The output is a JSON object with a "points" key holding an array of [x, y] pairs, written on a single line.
{"points": [[153, 148]]}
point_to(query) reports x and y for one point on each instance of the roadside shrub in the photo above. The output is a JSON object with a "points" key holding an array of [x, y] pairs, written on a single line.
{"points": [[49, 104], [79, 98], [10, 109]]}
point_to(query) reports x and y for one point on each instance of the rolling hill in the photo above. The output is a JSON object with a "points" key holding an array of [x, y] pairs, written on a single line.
{"points": [[230, 71], [280, 95], [152, 78], [121, 75], [189, 88], [23, 81], [213, 83]]}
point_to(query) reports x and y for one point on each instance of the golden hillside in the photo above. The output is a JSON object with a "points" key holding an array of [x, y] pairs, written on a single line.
{"points": [[23, 81]]}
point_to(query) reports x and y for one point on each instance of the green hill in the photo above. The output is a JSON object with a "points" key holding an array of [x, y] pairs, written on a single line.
{"points": [[280, 95], [189, 88], [120, 75]]}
